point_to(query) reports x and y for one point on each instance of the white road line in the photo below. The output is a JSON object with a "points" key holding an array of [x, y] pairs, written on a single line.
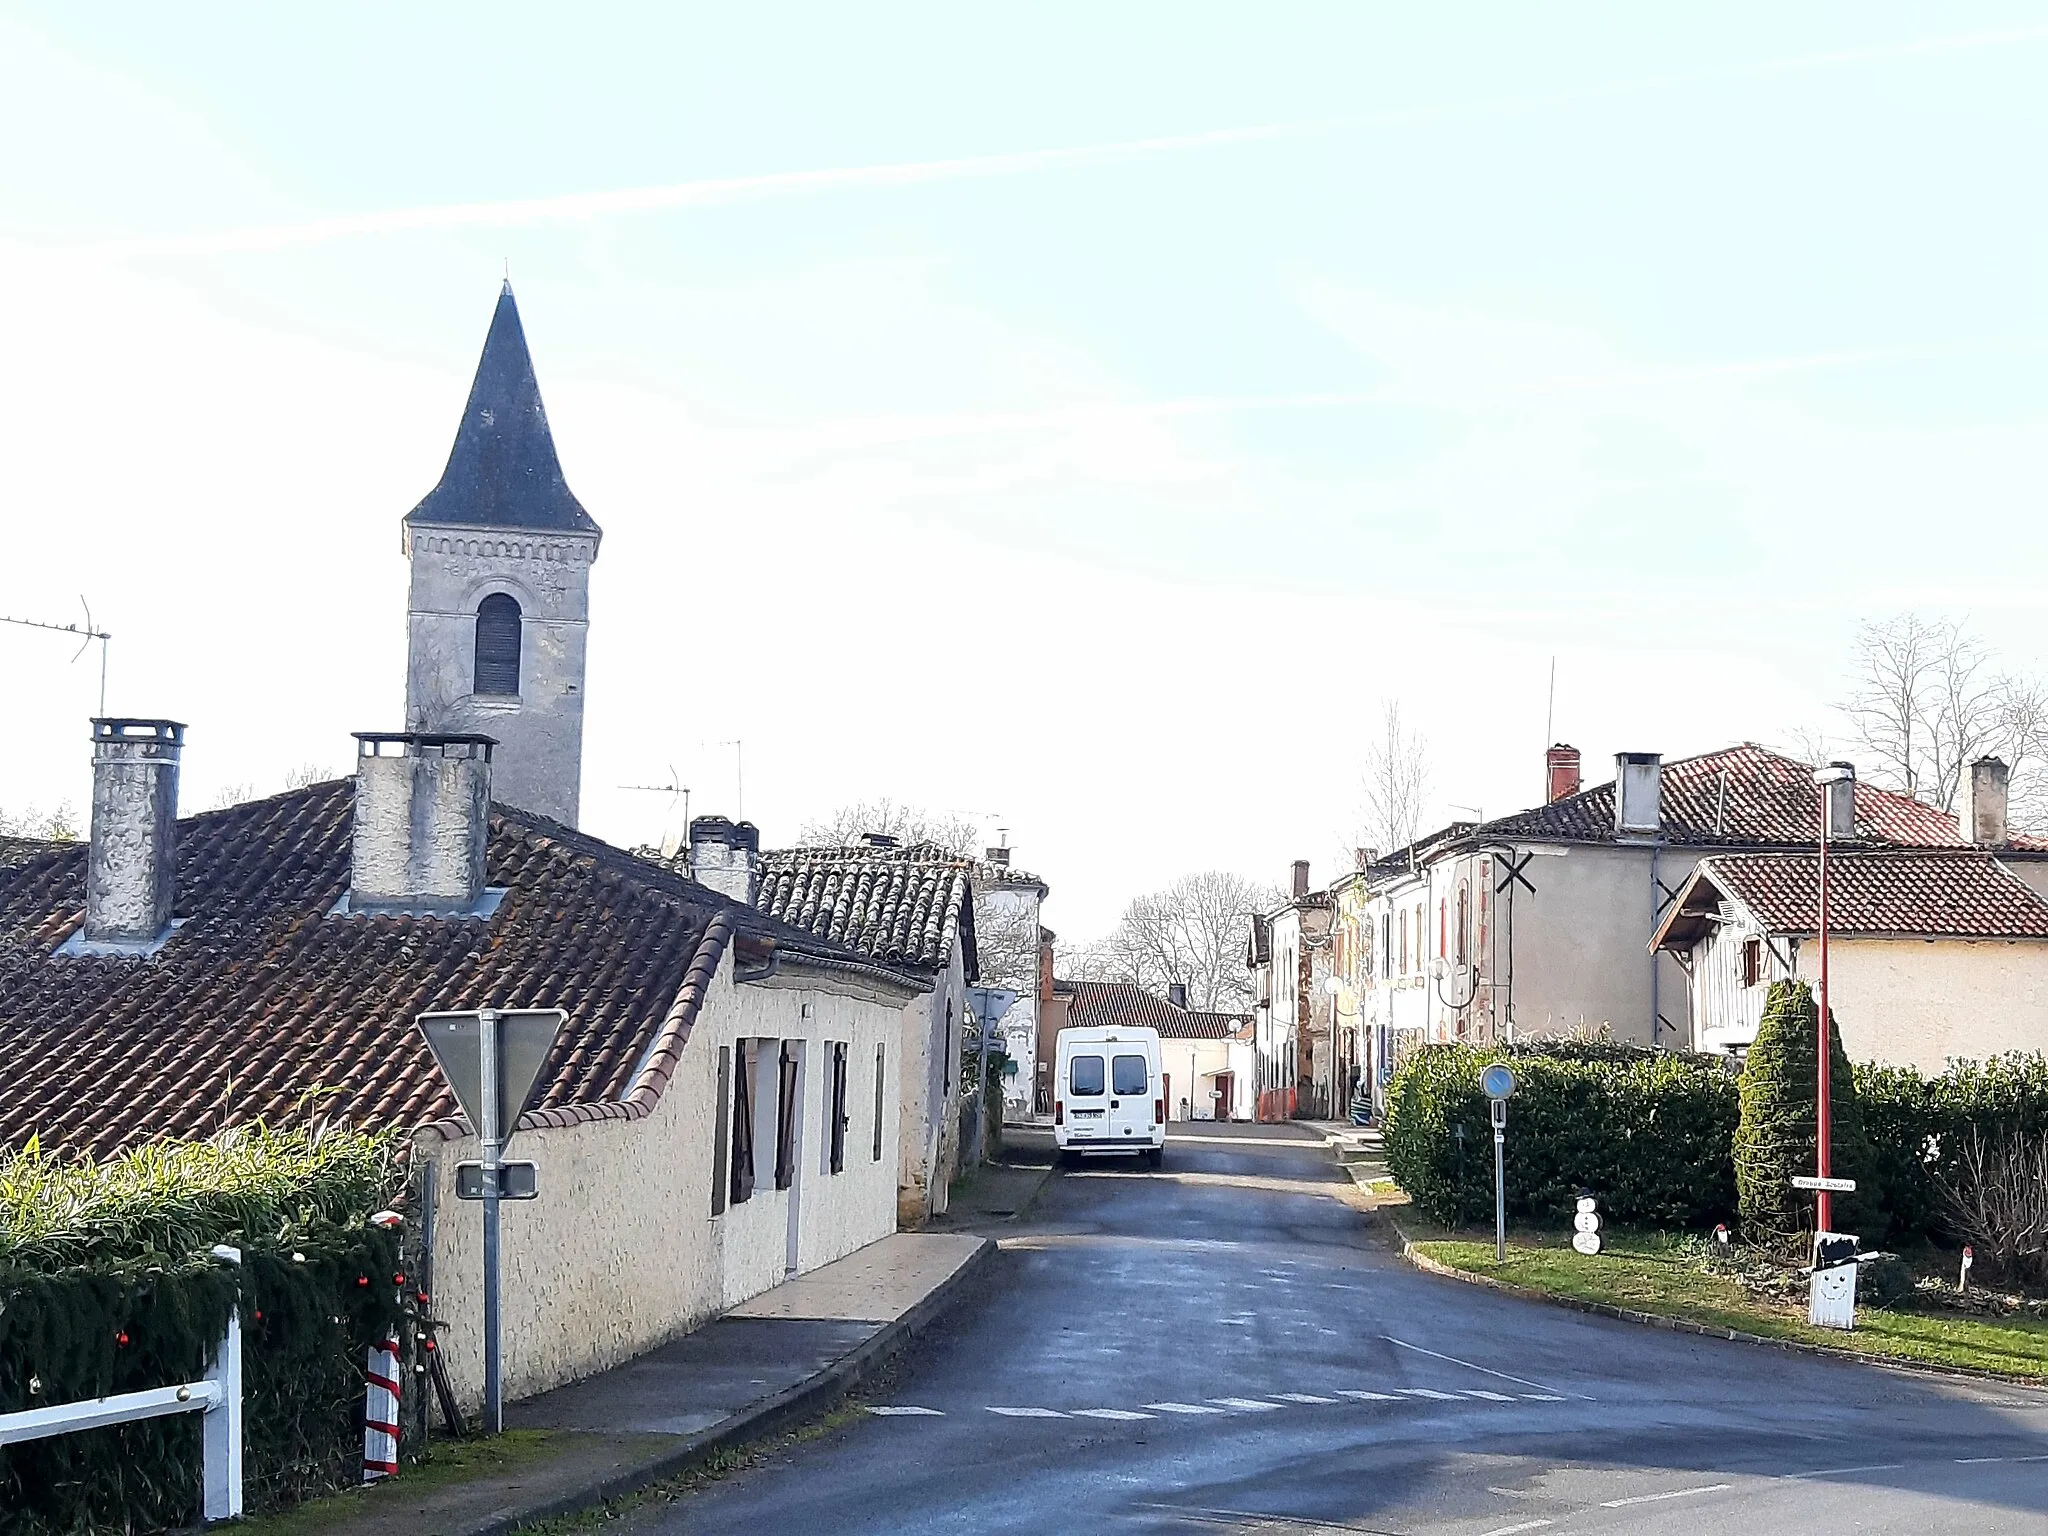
{"points": [[1484, 1370], [1544, 1397], [1110, 1413], [1526, 1525], [1429, 1392], [1491, 1397], [1880, 1466], [1029, 1413], [1675, 1493], [1368, 1397], [1302, 1397], [1246, 1404], [905, 1411], [1182, 1408]]}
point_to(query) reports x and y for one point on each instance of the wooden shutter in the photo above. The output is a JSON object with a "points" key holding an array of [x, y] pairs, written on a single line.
{"points": [[743, 1124], [838, 1127], [785, 1122], [881, 1081], [720, 1146], [497, 645]]}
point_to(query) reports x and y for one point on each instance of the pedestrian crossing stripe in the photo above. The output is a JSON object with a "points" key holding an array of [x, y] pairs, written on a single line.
{"points": [[1110, 1413], [1491, 1397], [1272, 1403], [1029, 1413], [1430, 1392], [1368, 1397], [1303, 1397], [1246, 1404], [894, 1411], [1183, 1408]]}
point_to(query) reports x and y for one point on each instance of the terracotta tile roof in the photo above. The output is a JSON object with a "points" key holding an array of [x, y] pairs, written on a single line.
{"points": [[1960, 894], [1769, 799], [263, 1005], [900, 906], [1121, 1004], [19, 850]]}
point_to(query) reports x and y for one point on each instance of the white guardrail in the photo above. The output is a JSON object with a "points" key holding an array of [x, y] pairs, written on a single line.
{"points": [[217, 1399]]}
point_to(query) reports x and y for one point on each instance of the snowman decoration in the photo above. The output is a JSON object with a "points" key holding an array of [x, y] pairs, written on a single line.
{"points": [[1586, 1225]]}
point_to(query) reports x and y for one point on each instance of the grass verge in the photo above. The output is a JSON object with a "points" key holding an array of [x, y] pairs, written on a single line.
{"points": [[1666, 1278], [451, 1461]]}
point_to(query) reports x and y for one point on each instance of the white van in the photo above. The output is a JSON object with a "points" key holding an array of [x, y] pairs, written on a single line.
{"points": [[1108, 1095]]}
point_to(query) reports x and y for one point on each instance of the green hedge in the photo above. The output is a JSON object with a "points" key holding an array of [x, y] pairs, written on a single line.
{"points": [[1648, 1132], [106, 1286], [1913, 1123]]}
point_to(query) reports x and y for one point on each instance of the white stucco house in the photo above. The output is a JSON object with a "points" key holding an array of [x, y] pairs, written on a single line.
{"points": [[1298, 1064]]}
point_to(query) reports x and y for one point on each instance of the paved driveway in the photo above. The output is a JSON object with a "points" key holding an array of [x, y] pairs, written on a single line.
{"points": [[1227, 1346]]}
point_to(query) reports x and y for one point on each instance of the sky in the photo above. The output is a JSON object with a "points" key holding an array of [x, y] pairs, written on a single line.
{"points": [[1079, 419]]}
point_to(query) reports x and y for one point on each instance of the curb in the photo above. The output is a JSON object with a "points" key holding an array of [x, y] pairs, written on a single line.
{"points": [[782, 1411], [1427, 1265]]}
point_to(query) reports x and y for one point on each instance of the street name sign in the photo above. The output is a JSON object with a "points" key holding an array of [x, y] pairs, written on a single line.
{"points": [[516, 1181], [1833, 1186]]}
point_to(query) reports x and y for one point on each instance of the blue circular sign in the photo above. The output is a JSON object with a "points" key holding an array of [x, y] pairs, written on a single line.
{"points": [[1497, 1081]]}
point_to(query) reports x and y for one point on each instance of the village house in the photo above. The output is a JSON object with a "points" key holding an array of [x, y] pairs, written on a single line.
{"points": [[1300, 1067], [1538, 923], [721, 1109], [1934, 953], [1205, 1058]]}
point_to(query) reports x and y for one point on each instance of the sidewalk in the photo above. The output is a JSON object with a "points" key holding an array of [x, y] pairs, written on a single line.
{"points": [[764, 1366]]}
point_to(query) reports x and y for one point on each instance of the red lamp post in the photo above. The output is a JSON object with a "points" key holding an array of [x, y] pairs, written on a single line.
{"points": [[1837, 783]]}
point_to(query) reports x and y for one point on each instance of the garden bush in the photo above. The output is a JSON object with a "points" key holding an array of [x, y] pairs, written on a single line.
{"points": [[107, 1286], [1776, 1139], [1648, 1132]]}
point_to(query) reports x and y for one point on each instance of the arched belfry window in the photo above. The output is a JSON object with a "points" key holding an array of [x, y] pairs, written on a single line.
{"points": [[497, 644]]}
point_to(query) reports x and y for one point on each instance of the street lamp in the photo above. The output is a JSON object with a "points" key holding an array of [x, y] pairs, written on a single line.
{"points": [[1837, 783]]}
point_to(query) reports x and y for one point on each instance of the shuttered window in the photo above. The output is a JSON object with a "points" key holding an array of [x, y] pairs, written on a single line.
{"points": [[497, 645], [881, 1082], [838, 1110], [720, 1174], [743, 1123], [785, 1121]]}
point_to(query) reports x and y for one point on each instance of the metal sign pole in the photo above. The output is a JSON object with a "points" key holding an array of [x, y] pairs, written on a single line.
{"points": [[1500, 1188], [489, 1134]]}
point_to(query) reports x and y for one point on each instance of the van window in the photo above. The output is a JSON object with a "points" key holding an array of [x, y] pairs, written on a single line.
{"points": [[1127, 1074], [1085, 1073]]}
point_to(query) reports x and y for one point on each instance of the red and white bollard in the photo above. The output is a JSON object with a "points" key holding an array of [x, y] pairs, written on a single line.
{"points": [[380, 1413]]}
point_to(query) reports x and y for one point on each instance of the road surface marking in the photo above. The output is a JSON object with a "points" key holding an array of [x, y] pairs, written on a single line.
{"points": [[893, 1412], [1303, 1397], [1110, 1413], [1880, 1466], [1526, 1525], [1029, 1413], [1368, 1397], [1544, 1397], [1484, 1370], [1246, 1404], [1182, 1408], [1491, 1397], [1675, 1493], [1429, 1392]]}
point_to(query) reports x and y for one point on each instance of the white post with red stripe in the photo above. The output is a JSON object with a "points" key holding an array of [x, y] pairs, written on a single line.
{"points": [[380, 1413]]}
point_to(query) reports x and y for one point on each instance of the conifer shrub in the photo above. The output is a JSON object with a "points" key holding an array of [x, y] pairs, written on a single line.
{"points": [[107, 1285], [1647, 1131], [1776, 1137]]}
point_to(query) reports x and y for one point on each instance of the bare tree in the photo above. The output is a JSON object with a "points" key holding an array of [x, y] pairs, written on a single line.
{"points": [[1396, 782], [1005, 940], [308, 774], [906, 823], [1926, 700], [57, 826], [1194, 932]]}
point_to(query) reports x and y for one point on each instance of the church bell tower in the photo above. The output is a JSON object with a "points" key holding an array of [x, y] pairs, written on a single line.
{"points": [[499, 612]]}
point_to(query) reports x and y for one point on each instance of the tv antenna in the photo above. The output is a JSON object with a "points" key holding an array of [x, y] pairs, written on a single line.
{"points": [[86, 632], [676, 790]]}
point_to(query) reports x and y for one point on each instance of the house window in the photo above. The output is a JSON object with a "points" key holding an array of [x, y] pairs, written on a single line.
{"points": [[746, 1056], [952, 1069], [1443, 922], [838, 1110], [785, 1118], [497, 645], [720, 1173], [1752, 961], [881, 1083], [1386, 943], [1464, 918]]}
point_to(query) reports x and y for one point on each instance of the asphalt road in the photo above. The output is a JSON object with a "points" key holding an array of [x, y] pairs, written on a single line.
{"points": [[1228, 1345]]}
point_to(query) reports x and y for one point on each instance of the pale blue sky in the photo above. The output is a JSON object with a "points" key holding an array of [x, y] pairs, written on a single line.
{"points": [[1201, 377]]}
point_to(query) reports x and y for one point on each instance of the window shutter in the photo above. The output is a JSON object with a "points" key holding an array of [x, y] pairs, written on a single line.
{"points": [[497, 645], [785, 1125], [720, 1173], [743, 1124], [881, 1082], [838, 1127]]}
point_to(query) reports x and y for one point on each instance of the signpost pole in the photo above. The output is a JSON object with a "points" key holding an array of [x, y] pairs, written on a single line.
{"points": [[490, 1134], [1827, 779], [1500, 1187]]}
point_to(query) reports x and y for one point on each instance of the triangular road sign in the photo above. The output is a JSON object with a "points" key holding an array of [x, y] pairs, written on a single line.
{"points": [[525, 1036]]}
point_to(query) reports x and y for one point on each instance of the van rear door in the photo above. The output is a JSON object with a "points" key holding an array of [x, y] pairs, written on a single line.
{"points": [[1087, 1099], [1130, 1096]]}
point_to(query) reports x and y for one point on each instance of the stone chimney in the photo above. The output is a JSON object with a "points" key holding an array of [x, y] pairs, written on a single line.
{"points": [[1300, 878], [868, 839], [1177, 993], [1638, 785], [999, 857], [422, 821], [726, 855], [1045, 959], [131, 868], [1838, 801], [1364, 858], [1982, 815], [1560, 773]]}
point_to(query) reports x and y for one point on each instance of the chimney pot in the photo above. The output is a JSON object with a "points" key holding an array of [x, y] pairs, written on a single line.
{"points": [[131, 867], [1300, 878], [726, 855], [870, 839], [1638, 783], [422, 821], [1839, 803], [1984, 816], [1560, 773], [999, 857], [1177, 993]]}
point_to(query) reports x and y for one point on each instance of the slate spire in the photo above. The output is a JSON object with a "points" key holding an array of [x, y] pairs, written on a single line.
{"points": [[502, 472]]}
